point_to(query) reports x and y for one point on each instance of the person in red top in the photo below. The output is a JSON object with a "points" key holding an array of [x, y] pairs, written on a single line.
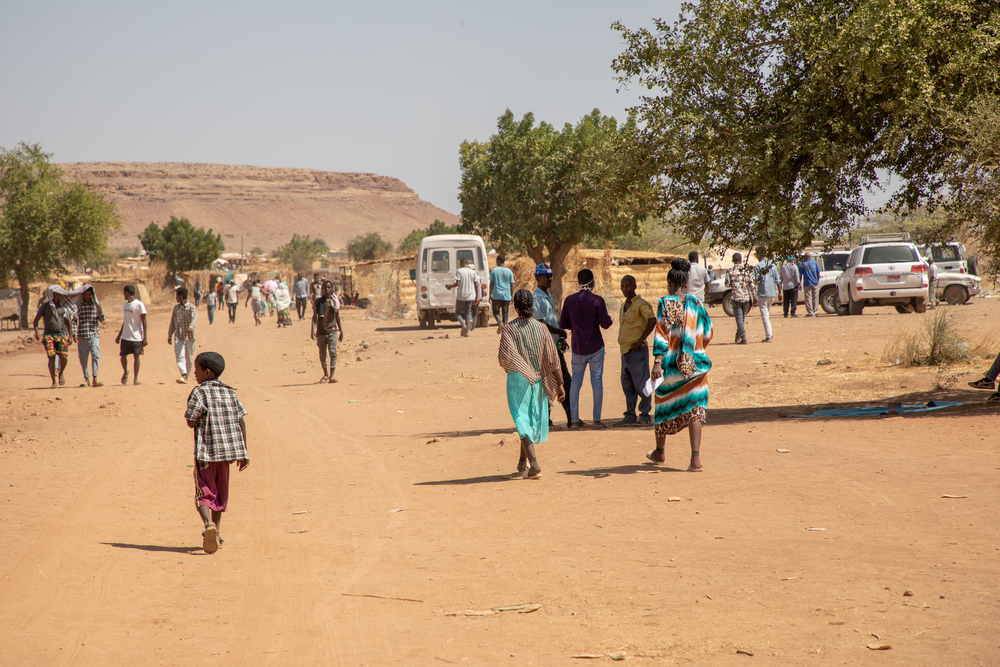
{"points": [[585, 314]]}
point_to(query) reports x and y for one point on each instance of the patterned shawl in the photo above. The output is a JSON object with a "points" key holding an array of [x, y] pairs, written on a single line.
{"points": [[683, 330], [527, 348]]}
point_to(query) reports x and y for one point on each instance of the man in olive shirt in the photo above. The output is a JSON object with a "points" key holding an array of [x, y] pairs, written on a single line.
{"points": [[637, 321], [326, 329]]}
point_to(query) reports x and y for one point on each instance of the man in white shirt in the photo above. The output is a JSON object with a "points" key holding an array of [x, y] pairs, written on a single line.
{"points": [[932, 283], [232, 300], [132, 335], [697, 277], [467, 299]]}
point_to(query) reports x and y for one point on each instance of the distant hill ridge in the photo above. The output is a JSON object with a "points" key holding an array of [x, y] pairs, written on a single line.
{"points": [[266, 205]]}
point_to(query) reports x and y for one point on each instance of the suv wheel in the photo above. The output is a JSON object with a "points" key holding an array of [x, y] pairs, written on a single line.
{"points": [[955, 295], [827, 300], [839, 307], [904, 308], [919, 305], [727, 305], [854, 307]]}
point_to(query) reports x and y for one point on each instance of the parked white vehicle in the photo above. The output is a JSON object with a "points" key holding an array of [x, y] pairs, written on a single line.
{"points": [[437, 261], [885, 270]]}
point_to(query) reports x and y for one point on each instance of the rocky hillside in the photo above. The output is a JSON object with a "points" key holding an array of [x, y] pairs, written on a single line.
{"points": [[265, 205]]}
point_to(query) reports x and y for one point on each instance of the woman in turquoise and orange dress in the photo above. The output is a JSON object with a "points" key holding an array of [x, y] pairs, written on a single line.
{"points": [[683, 331]]}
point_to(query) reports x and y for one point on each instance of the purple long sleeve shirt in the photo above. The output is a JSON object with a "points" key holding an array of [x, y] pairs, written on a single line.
{"points": [[585, 313]]}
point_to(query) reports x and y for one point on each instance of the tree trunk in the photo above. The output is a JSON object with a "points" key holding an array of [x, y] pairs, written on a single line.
{"points": [[557, 259], [25, 297]]}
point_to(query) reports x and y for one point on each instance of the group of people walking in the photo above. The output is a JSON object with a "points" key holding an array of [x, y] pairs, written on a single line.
{"points": [[760, 284], [532, 353]]}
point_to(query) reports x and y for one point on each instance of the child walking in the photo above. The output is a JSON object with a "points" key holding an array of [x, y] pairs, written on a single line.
{"points": [[220, 438]]}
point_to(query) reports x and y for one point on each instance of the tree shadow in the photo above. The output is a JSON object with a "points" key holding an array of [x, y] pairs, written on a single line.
{"points": [[154, 547], [973, 405], [486, 479]]}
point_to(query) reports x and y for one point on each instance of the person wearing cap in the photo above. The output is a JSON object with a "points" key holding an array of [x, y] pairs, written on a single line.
{"points": [[467, 298], [544, 310], [585, 314]]}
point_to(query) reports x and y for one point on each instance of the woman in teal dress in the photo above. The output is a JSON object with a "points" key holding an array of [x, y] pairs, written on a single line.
{"points": [[534, 377]]}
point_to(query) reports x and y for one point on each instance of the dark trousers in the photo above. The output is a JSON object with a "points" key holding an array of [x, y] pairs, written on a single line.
{"points": [[211, 313], [500, 307], [740, 310], [232, 312], [789, 299], [567, 383], [635, 372], [300, 306]]}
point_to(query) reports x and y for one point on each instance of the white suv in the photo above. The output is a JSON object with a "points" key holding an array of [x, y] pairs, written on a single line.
{"points": [[885, 270]]}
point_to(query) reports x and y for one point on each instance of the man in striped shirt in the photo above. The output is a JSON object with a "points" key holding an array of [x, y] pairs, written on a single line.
{"points": [[181, 333]]}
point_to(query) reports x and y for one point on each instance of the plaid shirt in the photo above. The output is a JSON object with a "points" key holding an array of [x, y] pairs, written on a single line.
{"points": [[183, 321], [86, 319], [218, 411], [740, 279]]}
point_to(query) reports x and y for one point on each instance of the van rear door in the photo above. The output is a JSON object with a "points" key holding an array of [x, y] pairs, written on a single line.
{"points": [[438, 264]]}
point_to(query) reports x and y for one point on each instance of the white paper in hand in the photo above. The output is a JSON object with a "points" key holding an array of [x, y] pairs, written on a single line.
{"points": [[651, 386]]}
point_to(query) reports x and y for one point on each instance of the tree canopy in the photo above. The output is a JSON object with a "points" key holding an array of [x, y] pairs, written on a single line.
{"points": [[302, 251], [541, 190], [181, 245], [45, 220], [411, 242], [768, 121], [367, 247]]}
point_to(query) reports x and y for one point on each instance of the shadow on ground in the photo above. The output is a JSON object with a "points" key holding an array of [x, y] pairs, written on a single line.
{"points": [[154, 547]]}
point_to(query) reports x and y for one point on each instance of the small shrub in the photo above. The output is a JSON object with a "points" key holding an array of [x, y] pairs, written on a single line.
{"points": [[945, 345]]}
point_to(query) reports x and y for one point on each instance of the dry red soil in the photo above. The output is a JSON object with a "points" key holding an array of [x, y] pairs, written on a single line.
{"points": [[374, 525]]}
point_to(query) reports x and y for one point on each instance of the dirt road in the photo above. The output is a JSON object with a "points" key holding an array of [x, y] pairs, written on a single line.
{"points": [[374, 510]]}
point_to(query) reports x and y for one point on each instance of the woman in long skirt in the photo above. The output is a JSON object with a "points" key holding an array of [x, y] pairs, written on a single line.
{"points": [[683, 331], [534, 377]]}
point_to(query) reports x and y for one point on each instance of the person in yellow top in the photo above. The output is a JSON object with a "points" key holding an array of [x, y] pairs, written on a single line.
{"points": [[637, 320]]}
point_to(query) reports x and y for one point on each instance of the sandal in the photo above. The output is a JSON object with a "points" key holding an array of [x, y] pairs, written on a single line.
{"points": [[579, 425], [323, 380], [210, 543], [651, 455], [985, 383], [534, 472]]}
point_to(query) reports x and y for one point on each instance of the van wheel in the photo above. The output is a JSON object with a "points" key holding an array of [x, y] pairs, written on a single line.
{"points": [[854, 307], [839, 307], [727, 305], [422, 321], [955, 295], [904, 309], [483, 319], [429, 319], [826, 300], [919, 305]]}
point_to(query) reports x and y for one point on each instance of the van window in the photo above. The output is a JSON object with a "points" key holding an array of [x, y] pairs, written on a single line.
{"points": [[482, 264], [945, 254], [466, 255], [440, 261], [423, 266]]}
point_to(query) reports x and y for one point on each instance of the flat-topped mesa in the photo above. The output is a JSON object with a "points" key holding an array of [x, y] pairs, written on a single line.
{"points": [[264, 205]]}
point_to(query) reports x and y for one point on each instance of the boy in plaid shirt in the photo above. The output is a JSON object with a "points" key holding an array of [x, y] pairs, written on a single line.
{"points": [[220, 437]]}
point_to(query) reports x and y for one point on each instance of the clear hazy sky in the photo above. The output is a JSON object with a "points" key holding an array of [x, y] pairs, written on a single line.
{"points": [[387, 87]]}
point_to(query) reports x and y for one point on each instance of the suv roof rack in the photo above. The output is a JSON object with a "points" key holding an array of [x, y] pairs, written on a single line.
{"points": [[868, 239]]}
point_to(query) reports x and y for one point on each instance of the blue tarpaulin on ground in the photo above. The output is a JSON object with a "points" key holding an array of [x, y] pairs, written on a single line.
{"points": [[877, 410]]}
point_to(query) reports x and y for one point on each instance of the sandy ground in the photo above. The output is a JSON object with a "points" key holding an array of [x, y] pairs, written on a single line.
{"points": [[374, 509]]}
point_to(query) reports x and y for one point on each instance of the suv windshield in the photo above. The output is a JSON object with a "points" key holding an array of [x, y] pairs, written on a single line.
{"points": [[830, 261], [889, 254]]}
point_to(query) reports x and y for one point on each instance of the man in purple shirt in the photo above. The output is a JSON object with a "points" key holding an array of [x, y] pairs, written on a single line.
{"points": [[585, 314]]}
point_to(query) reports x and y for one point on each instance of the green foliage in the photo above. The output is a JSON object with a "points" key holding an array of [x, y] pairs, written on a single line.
{"points": [[367, 247], [411, 242], [46, 221], [543, 190], [256, 250], [127, 251], [301, 252], [181, 246], [767, 121]]}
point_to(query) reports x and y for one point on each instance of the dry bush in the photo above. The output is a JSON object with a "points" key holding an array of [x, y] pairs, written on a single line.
{"points": [[385, 298], [938, 343], [985, 344]]}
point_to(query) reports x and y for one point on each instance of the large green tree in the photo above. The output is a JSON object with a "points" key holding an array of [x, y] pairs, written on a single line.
{"points": [[411, 242], [45, 220], [368, 246], [302, 251], [769, 120], [537, 189], [182, 246]]}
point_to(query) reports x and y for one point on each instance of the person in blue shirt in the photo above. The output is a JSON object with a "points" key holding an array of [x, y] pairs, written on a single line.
{"points": [[544, 310], [810, 272], [766, 277], [501, 280]]}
